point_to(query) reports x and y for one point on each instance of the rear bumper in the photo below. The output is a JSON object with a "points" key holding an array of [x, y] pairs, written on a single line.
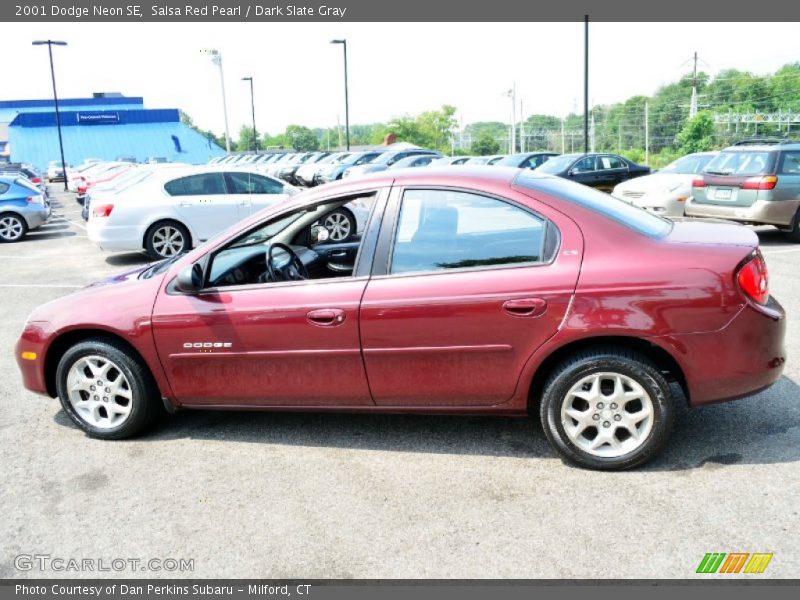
{"points": [[117, 238], [769, 212], [743, 358], [36, 215]]}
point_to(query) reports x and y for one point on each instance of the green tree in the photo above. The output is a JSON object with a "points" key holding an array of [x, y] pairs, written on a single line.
{"points": [[485, 144], [698, 134], [247, 141], [301, 138]]}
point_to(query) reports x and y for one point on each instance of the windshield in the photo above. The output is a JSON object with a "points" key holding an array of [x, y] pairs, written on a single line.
{"points": [[688, 165], [741, 163], [266, 233], [387, 158], [557, 164], [629, 215]]}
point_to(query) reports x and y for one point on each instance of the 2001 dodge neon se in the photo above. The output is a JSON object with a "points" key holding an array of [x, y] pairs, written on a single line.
{"points": [[480, 291]]}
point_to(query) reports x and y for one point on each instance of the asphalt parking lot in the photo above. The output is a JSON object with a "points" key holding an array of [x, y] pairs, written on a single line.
{"points": [[297, 495]]}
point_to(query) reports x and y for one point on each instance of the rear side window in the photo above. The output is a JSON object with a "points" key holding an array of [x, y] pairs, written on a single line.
{"points": [[610, 162], [196, 185], [790, 163], [250, 183], [441, 230], [743, 163], [3, 187], [626, 214]]}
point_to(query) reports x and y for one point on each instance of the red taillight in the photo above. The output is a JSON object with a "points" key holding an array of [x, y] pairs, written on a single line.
{"points": [[30, 199], [698, 182], [36, 180], [767, 182], [103, 210], [753, 280]]}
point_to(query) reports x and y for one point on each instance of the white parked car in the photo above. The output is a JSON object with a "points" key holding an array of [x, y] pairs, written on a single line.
{"points": [[55, 171], [175, 209], [664, 192]]}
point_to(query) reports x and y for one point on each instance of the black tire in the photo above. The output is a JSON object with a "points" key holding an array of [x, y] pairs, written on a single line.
{"points": [[145, 401], [154, 237], [607, 360], [340, 216], [12, 228], [793, 234]]}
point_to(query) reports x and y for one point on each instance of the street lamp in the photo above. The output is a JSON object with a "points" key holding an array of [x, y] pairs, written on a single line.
{"points": [[50, 44], [346, 101], [216, 58], [253, 109]]}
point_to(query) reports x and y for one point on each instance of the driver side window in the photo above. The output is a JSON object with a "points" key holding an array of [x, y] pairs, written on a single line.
{"points": [[307, 243]]}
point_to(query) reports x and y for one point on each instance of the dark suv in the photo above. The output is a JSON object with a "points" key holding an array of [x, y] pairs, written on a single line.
{"points": [[756, 182]]}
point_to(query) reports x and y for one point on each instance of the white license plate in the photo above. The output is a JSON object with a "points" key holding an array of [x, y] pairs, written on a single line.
{"points": [[723, 194]]}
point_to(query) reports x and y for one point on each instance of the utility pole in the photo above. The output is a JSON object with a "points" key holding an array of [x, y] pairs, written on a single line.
{"points": [[646, 133], [216, 58], [343, 43], [521, 127], [253, 111], [586, 84], [50, 44], [563, 141], [512, 138], [693, 102]]}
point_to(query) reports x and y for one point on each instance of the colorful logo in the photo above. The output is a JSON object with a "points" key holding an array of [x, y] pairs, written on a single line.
{"points": [[734, 562]]}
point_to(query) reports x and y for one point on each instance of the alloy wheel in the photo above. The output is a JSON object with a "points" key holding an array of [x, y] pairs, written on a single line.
{"points": [[168, 241], [338, 226], [11, 228], [607, 414], [99, 392]]}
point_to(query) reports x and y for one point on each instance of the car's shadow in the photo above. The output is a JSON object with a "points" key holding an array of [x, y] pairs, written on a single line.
{"points": [[128, 259], [769, 237], [762, 429]]}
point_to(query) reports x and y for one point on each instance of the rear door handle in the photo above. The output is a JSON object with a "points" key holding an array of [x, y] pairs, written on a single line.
{"points": [[525, 307], [326, 317], [338, 254]]}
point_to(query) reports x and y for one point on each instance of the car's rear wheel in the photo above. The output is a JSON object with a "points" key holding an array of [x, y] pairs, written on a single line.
{"points": [[167, 239], [793, 234], [106, 391], [341, 225], [607, 410], [12, 227]]}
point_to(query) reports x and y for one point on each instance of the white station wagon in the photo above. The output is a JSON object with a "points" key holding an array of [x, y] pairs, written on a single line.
{"points": [[172, 210]]}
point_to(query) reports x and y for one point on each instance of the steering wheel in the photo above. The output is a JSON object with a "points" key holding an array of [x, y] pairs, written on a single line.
{"points": [[294, 270]]}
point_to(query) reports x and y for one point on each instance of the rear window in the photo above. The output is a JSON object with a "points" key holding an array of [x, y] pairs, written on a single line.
{"points": [[746, 162], [626, 214]]}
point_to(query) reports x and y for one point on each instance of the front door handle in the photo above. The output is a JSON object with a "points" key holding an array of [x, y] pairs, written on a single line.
{"points": [[326, 317], [525, 307]]}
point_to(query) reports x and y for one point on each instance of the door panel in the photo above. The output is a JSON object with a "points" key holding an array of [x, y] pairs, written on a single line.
{"points": [[456, 336], [202, 202], [264, 345]]}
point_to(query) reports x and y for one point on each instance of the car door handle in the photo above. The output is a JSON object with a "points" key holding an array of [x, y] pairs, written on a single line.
{"points": [[525, 307], [326, 317], [338, 254], [184, 203]]}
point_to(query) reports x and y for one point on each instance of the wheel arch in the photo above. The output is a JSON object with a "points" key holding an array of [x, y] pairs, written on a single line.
{"points": [[660, 357], [66, 340], [168, 219]]}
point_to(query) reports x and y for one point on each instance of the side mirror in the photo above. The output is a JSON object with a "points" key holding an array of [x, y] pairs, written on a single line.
{"points": [[190, 279], [319, 234]]}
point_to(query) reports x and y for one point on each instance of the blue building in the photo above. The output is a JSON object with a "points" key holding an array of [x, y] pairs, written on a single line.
{"points": [[106, 126]]}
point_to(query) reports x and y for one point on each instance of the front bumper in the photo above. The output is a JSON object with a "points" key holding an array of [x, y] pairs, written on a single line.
{"points": [[663, 204], [30, 353], [769, 212]]}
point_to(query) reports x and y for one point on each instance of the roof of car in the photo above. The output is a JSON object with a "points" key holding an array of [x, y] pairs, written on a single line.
{"points": [[764, 146]]}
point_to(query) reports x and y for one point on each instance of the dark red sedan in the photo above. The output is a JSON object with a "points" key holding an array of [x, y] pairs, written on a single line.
{"points": [[472, 291]]}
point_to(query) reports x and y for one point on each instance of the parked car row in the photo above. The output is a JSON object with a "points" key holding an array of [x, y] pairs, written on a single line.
{"points": [[23, 206]]}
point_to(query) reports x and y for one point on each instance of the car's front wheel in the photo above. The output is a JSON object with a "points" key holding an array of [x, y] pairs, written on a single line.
{"points": [[105, 390], [12, 227], [167, 239], [607, 410]]}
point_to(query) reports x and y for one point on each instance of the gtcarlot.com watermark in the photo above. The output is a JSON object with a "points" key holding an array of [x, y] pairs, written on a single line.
{"points": [[62, 564]]}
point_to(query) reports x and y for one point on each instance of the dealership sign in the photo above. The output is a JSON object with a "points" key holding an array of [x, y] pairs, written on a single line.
{"points": [[97, 118]]}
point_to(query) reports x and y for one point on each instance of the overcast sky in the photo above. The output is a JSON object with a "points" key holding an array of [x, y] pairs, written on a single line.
{"points": [[395, 68]]}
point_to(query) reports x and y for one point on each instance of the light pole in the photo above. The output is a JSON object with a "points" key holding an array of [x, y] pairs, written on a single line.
{"points": [[216, 58], [253, 109], [50, 44], [346, 99]]}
